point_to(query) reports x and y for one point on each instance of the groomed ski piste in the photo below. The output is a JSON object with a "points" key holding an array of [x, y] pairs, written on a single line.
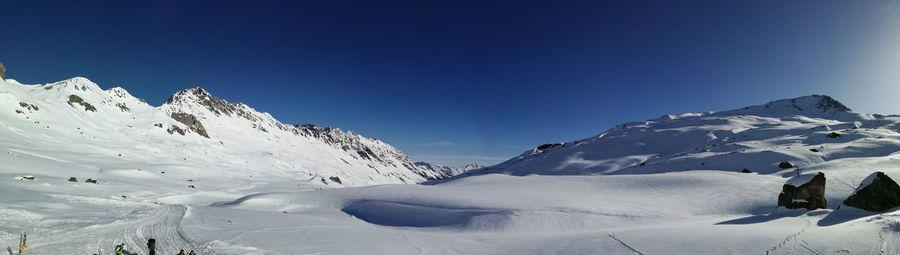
{"points": [[670, 185]]}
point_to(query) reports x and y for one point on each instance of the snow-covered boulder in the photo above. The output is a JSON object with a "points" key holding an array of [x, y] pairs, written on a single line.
{"points": [[880, 194], [810, 195]]}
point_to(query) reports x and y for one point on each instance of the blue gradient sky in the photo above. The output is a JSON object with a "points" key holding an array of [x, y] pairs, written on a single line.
{"points": [[467, 81]]}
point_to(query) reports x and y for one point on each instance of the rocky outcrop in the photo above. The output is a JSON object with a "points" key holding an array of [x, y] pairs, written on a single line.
{"points": [[810, 195], [785, 165], [191, 122], [73, 100], [880, 195]]}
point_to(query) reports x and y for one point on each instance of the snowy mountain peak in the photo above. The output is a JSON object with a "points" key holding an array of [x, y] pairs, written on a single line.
{"points": [[190, 95], [194, 131], [820, 103], [803, 131], [198, 101], [75, 83], [826, 103], [817, 106]]}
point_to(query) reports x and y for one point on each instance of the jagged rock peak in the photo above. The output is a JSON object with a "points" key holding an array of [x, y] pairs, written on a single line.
{"points": [[190, 93], [201, 97]]}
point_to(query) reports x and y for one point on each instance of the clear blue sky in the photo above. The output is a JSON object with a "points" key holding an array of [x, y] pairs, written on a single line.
{"points": [[467, 81]]}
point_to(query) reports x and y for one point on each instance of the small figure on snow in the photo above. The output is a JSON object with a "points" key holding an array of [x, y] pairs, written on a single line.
{"points": [[151, 246], [120, 249]]}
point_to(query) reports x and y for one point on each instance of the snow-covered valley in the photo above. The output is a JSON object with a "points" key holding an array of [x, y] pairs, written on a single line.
{"points": [[220, 178]]}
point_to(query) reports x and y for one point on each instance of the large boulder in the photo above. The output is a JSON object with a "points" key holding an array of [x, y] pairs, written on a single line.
{"points": [[880, 195], [810, 195]]}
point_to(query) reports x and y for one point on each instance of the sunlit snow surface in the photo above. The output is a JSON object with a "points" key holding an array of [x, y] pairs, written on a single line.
{"points": [[588, 197]]}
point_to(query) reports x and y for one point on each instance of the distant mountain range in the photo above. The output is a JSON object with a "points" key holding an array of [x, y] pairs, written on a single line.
{"points": [[194, 130], [804, 131], [447, 171]]}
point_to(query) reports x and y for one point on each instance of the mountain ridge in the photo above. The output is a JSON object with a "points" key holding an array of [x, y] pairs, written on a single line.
{"points": [[194, 116], [756, 137]]}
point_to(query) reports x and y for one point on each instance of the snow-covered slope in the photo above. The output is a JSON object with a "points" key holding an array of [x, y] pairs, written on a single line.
{"points": [[671, 185], [755, 138], [193, 131], [219, 178]]}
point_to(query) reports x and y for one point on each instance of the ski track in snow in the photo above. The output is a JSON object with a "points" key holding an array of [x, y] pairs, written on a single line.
{"points": [[632, 249], [888, 243], [163, 224]]}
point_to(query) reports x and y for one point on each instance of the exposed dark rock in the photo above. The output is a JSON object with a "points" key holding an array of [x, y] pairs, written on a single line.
{"points": [[833, 135], [814, 150], [785, 165], [879, 196], [192, 186], [335, 179], [175, 129], [73, 100], [214, 104], [827, 103], [29, 107], [73, 179], [2, 71], [360, 147], [547, 146], [91, 180], [191, 122], [810, 195], [123, 107], [746, 171]]}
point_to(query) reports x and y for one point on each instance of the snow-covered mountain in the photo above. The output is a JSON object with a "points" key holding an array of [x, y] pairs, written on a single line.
{"points": [[804, 131], [193, 131], [448, 171], [220, 178]]}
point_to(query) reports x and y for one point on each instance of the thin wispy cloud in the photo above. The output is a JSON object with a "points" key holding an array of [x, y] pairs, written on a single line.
{"points": [[439, 144]]}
